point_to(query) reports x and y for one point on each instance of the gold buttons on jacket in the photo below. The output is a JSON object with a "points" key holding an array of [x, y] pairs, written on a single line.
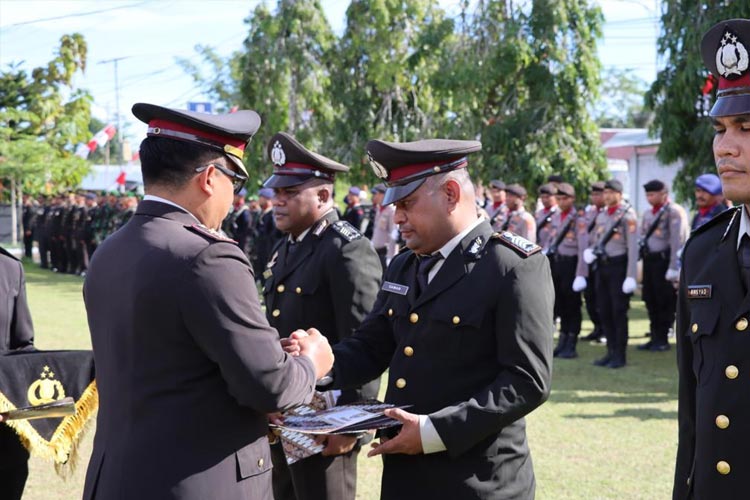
{"points": [[390, 312], [456, 320], [723, 467], [694, 328], [298, 290], [731, 372], [260, 463], [741, 324], [401, 383], [722, 421], [414, 317], [275, 313], [280, 288], [409, 351]]}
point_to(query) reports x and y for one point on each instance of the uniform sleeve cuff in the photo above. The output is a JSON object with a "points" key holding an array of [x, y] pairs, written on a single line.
{"points": [[431, 442]]}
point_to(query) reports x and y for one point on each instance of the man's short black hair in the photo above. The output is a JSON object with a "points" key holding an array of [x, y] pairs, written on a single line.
{"points": [[171, 163]]}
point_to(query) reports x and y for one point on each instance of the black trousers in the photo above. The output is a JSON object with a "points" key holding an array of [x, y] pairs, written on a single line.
{"points": [[44, 251], [28, 244], [567, 302], [14, 464], [590, 295], [613, 304], [316, 477], [659, 295]]}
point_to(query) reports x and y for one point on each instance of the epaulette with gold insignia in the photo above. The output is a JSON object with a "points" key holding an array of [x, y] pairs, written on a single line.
{"points": [[211, 233], [520, 244], [346, 230]]}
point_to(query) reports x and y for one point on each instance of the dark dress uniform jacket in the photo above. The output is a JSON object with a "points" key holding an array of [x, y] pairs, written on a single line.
{"points": [[16, 329], [187, 366], [713, 354], [330, 282], [473, 352]]}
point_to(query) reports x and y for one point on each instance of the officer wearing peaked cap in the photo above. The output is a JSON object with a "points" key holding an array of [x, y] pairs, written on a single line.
{"points": [[476, 304], [713, 346], [187, 367], [323, 274]]}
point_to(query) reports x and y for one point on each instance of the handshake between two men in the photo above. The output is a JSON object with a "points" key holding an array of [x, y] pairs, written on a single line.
{"points": [[313, 344]]}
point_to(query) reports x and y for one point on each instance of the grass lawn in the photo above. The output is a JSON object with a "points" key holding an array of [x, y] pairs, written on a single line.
{"points": [[604, 434]]}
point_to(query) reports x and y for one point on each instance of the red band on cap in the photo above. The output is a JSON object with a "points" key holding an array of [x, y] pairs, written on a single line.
{"points": [[297, 165], [743, 81], [177, 127], [399, 173]]}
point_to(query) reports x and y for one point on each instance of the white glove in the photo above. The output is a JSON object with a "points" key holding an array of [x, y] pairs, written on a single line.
{"points": [[579, 284], [545, 251], [672, 275], [589, 256], [628, 286]]}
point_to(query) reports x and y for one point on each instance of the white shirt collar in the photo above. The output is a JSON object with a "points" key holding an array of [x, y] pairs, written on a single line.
{"points": [[151, 197], [744, 225], [446, 249]]}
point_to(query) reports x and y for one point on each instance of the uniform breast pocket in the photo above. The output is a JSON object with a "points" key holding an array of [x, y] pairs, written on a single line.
{"points": [[704, 318], [456, 334]]}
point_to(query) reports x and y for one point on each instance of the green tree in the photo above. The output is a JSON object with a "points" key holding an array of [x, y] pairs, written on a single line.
{"points": [[285, 75], [537, 71], [218, 77], [42, 118], [384, 66], [621, 102], [686, 134]]}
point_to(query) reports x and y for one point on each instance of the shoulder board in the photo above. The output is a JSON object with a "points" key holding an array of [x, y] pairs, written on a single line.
{"points": [[346, 230], [521, 245], [727, 215], [5, 252], [210, 233]]}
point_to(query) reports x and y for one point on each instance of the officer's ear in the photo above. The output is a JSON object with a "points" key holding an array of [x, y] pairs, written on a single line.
{"points": [[452, 190], [324, 194], [206, 180]]}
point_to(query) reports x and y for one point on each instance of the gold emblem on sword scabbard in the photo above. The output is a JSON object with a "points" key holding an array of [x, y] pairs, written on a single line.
{"points": [[45, 389]]}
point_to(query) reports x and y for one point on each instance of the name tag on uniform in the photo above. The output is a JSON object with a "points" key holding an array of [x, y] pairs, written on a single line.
{"points": [[395, 288], [699, 292]]}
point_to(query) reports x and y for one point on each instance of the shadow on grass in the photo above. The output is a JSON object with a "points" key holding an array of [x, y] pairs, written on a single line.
{"points": [[609, 397], [642, 414]]}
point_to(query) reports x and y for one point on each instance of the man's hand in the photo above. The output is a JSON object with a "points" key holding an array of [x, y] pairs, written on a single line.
{"points": [[336, 444], [291, 345], [408, 441], [316, 347]]}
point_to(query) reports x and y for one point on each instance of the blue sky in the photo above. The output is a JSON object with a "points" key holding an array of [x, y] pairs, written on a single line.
{"points": [[150, 34]]}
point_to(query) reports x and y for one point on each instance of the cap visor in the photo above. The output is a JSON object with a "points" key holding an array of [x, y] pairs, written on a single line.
{"points": [[239, 164], [396, 193], [282, 181], [731, 105]]}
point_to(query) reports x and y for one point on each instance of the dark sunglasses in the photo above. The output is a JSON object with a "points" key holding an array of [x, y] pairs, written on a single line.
{"points": [[238, 180]]}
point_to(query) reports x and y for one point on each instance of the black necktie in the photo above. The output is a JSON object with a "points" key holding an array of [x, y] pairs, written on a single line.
{"points": [[743, 254], [426, 262], [291, 247]]}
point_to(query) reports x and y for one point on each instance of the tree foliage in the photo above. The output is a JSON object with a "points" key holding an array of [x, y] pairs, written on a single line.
{"points": [[621, 101], [685, 133], [42, 117], [516, 75]]}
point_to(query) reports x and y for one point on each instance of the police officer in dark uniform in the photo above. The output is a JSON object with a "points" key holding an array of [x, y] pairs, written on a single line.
{"points": [[266, 233], [708, 204], [29, 218], [16, 333], [354, 213], [713, 320], [614, 249], [589, 294], [187, 367], [322, 274], [464, 322]]}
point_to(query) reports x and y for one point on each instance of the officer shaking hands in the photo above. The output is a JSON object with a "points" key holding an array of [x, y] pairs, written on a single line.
{"points": [[713, 342], [322, 274], [464, 323]]}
